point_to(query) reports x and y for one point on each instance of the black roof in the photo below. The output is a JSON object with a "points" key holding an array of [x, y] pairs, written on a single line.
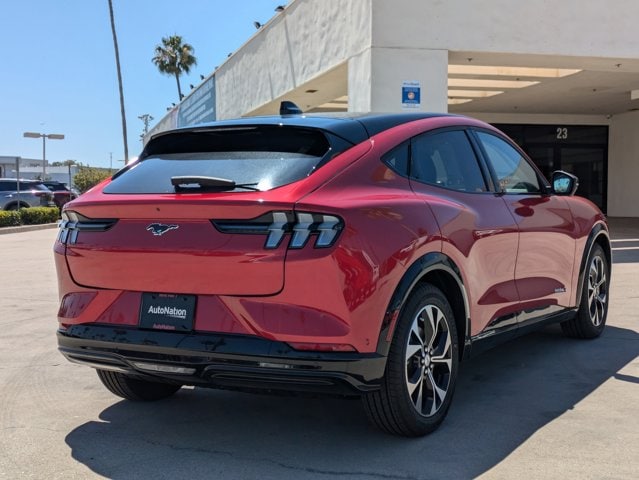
{"points": [[353, 127]]}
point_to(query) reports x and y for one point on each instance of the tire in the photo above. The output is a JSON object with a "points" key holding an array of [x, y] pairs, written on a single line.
{"points": [[591, 316], [418, 384], [135, 389]]}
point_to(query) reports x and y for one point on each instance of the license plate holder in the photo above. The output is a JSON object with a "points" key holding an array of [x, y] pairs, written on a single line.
{"points": [[170, 312]]}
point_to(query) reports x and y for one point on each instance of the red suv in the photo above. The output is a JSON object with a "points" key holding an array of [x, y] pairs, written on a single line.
{"points": [[359, 255], [61, 192]]}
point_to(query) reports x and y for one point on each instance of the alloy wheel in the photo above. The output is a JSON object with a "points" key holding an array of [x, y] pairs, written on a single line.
{"points": [[428, 360], [597, 290]]}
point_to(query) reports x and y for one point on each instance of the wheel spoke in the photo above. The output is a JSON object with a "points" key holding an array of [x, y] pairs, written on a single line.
{"points": [[438, 393], [416, 333], [432, 320], [435, 321], [412, 349], [412, 386], [445, 357], [419, 401]]}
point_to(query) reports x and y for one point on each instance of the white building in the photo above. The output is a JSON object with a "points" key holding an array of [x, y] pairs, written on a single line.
{"points": [[31, 168], [562, 78]]}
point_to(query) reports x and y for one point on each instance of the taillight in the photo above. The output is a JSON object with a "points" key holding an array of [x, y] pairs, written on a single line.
{"points": [[72, 223], [300, 226]]}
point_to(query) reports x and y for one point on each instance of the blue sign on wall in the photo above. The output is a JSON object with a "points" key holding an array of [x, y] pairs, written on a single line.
{"points": [[411, 95], [199, 106]]}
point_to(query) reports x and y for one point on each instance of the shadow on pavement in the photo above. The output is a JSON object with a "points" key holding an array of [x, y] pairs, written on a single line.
{"points": [[504, 396]]}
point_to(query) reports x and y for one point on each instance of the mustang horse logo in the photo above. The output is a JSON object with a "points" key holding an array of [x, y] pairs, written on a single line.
{"points": [[160, 229]]}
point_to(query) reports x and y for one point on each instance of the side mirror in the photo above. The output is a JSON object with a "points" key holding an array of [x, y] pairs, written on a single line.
{"points": [[564, 183]]}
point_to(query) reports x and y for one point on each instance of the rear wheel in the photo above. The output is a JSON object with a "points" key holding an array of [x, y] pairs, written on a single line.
{"points": [[593, 306], [131, 388], [421, 370]]}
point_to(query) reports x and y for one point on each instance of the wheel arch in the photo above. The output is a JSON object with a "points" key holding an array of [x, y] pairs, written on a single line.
{"points": [[12, 205], [439, 270], [599, 236]]}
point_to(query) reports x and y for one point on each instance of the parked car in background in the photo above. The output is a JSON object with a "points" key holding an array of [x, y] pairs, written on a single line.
{"points": [[33, 193], [61, 192], [360, 254]]}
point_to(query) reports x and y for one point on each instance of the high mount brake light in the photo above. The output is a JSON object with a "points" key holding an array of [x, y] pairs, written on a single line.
{"points": [[277, 225]]}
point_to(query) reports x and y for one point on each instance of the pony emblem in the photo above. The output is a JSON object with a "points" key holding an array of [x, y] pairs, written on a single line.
{"points": [[159, 229]]}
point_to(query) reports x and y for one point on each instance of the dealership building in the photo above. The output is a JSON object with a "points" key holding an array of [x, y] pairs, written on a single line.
{"points": [[561, 78]]}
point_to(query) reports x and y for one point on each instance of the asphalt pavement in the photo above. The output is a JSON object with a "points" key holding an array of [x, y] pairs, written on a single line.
{"points": [[540, 407]]}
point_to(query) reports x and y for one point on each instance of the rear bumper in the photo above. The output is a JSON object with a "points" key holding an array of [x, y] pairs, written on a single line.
{"points": [[220, 360]]}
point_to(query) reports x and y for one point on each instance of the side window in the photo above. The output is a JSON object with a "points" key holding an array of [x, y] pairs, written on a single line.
{"points": [[514, 173], [397, 159], [446, 159]]}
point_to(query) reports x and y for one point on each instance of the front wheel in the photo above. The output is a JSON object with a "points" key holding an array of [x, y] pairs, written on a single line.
{"points": [[421, 369], [593, 305], [131, 388]]}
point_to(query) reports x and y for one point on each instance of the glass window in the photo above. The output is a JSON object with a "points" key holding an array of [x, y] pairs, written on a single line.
{"points": [[514, 173], [255, 158], [8, 185], [446, 159], [397, 159]]}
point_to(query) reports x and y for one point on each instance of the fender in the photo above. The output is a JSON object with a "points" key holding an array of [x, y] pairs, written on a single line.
{"points": [[597, 231], [431, 262]]}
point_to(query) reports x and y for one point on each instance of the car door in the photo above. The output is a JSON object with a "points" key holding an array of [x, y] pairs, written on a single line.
{"points": [[478, 231], [546, 252]]}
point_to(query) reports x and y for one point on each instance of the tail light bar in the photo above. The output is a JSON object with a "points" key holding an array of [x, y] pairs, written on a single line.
{"points": [[300, 226], [72, 223]]}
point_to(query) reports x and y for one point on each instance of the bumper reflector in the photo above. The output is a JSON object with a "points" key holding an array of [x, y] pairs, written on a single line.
{"points": [[322, 347], [156, 367]]}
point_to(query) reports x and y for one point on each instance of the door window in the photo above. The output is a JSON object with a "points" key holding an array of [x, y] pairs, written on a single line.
{"points": [[514, 173], [446, 159]]}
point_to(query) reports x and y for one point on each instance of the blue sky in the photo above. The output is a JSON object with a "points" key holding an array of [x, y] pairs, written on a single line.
{"points": [[58, 73]]}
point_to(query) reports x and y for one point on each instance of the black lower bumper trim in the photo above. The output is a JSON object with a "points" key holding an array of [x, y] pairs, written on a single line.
{"points": [[220, 360]]}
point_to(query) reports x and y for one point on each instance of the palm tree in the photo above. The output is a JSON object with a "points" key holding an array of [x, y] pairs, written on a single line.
{"points": [[117, 65], [174, 57]]}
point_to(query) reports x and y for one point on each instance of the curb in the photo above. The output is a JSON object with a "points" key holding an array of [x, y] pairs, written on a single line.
{"points": [[27, 228]]}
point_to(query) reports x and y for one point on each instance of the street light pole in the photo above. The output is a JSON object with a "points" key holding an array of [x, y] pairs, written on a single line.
{"points": [[44, 136]]}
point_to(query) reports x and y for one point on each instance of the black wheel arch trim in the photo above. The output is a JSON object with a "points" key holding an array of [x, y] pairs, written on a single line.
{"points": [[597, 231], [431, 262]]}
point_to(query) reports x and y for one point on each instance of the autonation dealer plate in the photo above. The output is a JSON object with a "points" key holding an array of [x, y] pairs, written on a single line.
{"points": [[162, 311]]}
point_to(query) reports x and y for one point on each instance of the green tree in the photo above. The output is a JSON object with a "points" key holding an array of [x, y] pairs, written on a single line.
{"points": [[174, 57], [88, 177]]}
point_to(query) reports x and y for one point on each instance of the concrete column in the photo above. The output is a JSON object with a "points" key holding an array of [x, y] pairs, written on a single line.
{"points": [[359, 82], [376, 77]]}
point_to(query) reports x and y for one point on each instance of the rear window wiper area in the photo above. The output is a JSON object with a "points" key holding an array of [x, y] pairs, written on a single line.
{"points": [[197, 183]]}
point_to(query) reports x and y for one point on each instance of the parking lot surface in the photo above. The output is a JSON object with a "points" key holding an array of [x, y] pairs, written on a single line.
{"points": [[542, 406]]}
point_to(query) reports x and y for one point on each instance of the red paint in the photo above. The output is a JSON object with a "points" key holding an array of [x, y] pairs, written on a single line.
{"points": [[512, 252]]}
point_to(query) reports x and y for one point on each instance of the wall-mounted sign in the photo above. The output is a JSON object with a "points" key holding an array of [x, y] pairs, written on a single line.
{"points": [[199, 106], [411, 94]]}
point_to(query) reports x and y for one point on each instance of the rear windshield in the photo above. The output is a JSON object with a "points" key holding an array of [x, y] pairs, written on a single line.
{"points": [[12, 185], [259, 158], [54, 187]]}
